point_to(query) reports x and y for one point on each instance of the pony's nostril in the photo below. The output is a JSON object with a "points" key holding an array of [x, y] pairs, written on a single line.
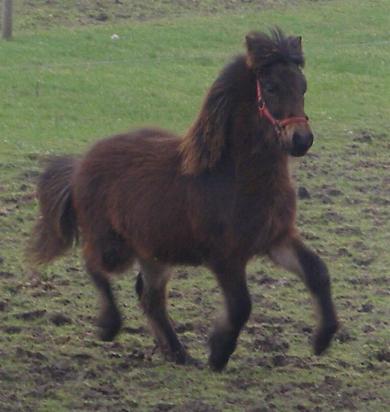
{"points": [[298, 140], [301, 143]]}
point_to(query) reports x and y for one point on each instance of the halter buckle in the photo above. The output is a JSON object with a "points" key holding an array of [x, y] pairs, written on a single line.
{"points": [[261, 103]]}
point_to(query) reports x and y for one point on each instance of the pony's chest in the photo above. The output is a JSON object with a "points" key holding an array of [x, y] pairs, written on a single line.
{"points": [[261, 220]]}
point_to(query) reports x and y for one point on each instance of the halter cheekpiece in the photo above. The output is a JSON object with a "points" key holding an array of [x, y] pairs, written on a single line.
{"points": [[278, 125]]}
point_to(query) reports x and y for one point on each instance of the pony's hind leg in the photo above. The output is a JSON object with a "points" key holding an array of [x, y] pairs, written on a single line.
{"points": [[110, 254], [151, 289], [223, 339], [294, 256], [109, 320]]}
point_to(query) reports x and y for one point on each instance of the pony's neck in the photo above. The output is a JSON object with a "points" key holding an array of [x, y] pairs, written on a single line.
{"points": [[263, 169], [208, 140], [252, 143]]}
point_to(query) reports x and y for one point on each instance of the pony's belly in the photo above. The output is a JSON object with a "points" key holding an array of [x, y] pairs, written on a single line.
{"points": [[180, 256]]}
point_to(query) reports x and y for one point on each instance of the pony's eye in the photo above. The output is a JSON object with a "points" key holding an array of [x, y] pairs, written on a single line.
{"points": [[269, 88]]}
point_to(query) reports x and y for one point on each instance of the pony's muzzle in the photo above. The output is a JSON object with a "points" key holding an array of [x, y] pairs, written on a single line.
{"points": [[301, 143]]}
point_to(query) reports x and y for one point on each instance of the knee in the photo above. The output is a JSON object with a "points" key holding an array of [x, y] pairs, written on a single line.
{"points": [[153, 301]]}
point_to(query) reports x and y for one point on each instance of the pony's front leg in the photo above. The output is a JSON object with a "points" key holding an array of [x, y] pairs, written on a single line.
{"points": [[294, 256], [223, 338]]}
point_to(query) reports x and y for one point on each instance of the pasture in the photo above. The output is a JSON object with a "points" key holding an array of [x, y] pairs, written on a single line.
{"points": [[64, 83]]}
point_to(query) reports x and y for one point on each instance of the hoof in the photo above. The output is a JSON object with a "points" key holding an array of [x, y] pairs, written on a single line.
{"points": [[180, 357], [323, 337], [218, 362], [222, 345], [109, 324]]}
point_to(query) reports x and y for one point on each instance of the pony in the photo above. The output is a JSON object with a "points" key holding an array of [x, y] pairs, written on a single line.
{"points": [[217, 197]]}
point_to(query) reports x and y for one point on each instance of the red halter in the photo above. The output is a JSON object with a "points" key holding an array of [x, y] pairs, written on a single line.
{"points": [[264, 112]]}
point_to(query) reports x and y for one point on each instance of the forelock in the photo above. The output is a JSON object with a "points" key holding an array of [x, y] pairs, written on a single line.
{"points": [[275, 47]]}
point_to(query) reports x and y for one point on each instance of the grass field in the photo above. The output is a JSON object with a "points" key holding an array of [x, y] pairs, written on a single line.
{"points": [[64, 83]]}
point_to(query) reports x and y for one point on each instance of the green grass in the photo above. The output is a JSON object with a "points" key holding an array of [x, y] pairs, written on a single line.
{"points": [[64, 86]]}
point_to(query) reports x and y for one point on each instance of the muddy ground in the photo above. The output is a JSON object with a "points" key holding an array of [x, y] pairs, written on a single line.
{"points": [[51, 358]]}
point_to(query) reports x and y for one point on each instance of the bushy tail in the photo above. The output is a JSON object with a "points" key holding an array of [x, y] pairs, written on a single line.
{"points": [[56, 228]]}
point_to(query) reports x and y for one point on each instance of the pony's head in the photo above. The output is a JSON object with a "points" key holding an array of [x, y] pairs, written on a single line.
{"points": [[276, 61], [230, 119]]}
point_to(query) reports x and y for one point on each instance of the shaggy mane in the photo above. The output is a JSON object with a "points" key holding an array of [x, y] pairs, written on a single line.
{"points": [[203, 144]]}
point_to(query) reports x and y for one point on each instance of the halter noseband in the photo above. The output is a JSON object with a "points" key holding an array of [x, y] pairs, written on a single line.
{"points": [[278, 125]]}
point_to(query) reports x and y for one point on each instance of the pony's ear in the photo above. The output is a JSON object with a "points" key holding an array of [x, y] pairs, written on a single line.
{"points": [[295, 43], [251, 41]]}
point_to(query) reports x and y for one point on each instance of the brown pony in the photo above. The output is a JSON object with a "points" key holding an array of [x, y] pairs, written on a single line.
{"points": [[218, 197]]}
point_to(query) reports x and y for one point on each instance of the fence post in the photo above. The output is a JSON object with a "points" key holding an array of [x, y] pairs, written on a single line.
{"points": [[7, 19]]}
